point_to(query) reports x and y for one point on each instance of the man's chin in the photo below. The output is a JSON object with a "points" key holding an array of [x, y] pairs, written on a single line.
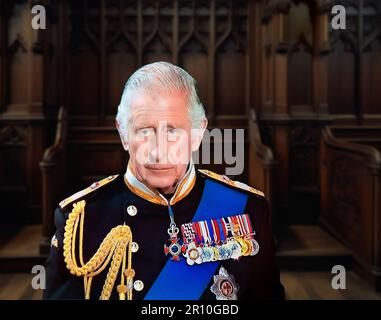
{"points": [[162, 184]]}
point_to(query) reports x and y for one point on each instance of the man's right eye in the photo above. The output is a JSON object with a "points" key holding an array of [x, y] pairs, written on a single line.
{"points": [[145, 132]]}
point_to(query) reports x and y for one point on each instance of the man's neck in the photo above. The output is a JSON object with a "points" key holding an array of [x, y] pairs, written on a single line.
{"points": [[173, 193], [168, 191]]}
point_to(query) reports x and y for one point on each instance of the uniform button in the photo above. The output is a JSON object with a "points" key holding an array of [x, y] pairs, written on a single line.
{"points": [[134, 247], [132, 211], [138, 285]]}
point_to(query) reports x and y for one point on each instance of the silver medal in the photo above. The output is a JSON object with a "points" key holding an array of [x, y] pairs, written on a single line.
{"points": [[236, 250], [255, 247], [228, 251], [207, 254]]}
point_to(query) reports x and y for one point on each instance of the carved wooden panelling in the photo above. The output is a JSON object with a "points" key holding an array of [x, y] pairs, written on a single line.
{"points": [[350, 187], [304, 143], [13, 173], [355, 61], [109, 39], [304, 174], [13, 142], [372, 57], [346, 181], [300, 39]]}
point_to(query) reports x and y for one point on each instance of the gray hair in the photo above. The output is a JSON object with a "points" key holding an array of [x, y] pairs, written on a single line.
{"points": [[160, 76]]}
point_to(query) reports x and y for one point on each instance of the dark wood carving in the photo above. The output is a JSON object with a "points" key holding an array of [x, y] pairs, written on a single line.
{"points": [[355, 63], [262, 162], [280, 58], [346, 192], [350, 194], [110, 39], [304, 173], [54, 178]]}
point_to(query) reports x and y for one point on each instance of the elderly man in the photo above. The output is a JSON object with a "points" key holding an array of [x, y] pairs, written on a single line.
{"points": [[163, 230]]}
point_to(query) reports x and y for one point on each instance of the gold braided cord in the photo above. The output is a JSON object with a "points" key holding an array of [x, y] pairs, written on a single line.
{"points": [[88, 279], [113, 270], [81, 236], [122, 288], [87, 283], [113, 248], [129, 272]]}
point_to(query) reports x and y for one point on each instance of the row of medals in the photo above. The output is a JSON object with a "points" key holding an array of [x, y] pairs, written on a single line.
{"points": [[233, 248]]}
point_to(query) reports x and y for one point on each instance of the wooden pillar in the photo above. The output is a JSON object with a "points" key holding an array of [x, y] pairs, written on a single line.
{"points": [[266, 65], [280, 48], [5, 9], [320, 58], [255, 59], [212, 64], [175, 33], [102, 107], [275, 111]]}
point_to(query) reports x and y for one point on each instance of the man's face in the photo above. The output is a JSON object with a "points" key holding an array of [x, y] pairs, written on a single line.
{"points": [[159, 139]]}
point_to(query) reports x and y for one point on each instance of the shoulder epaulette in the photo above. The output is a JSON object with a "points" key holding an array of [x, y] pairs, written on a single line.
{"points": [[226, 180], [88, 190]]}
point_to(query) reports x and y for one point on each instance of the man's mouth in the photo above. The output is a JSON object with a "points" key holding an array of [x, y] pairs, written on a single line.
{"points": [[158, 167]]}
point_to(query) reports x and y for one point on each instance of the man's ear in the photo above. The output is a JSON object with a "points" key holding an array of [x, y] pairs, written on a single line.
{"points": [[122, 136], [198, 134]]}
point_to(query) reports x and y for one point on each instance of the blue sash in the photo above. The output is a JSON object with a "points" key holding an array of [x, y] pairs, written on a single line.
{"points": [[178, 280]]}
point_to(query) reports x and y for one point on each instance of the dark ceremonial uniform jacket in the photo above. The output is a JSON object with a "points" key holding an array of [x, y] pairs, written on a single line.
{"points": [[106, 207]]}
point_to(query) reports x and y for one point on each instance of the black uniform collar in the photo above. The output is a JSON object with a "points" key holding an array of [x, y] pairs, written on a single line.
{"points": [[184, 187]]}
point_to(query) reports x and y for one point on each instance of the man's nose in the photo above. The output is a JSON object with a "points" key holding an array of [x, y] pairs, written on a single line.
{"points": [[159, 148]]}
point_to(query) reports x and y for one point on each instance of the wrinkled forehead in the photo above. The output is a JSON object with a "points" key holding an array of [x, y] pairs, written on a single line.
{"points": [[158, 106], [156, 91]]}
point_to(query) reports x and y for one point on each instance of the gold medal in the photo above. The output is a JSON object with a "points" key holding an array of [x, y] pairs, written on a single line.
{"points": [[243, 246], [249, 247], [216, 255]]}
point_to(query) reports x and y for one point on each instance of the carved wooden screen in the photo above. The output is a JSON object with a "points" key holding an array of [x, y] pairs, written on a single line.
{"points": [[355, 63], [108, 40]]}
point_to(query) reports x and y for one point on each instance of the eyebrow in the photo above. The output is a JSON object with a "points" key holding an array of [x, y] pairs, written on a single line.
{"points": [[144, 126]]}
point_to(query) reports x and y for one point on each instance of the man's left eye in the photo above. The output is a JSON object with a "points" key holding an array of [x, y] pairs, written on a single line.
{"points": [[172, 133]]}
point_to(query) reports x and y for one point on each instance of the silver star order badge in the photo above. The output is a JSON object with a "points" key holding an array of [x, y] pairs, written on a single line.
{"points": [[224, 286]]}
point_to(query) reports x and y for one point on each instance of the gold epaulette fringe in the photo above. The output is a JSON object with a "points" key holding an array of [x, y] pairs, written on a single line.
{"points": [[233, 183], [95, 186]]}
